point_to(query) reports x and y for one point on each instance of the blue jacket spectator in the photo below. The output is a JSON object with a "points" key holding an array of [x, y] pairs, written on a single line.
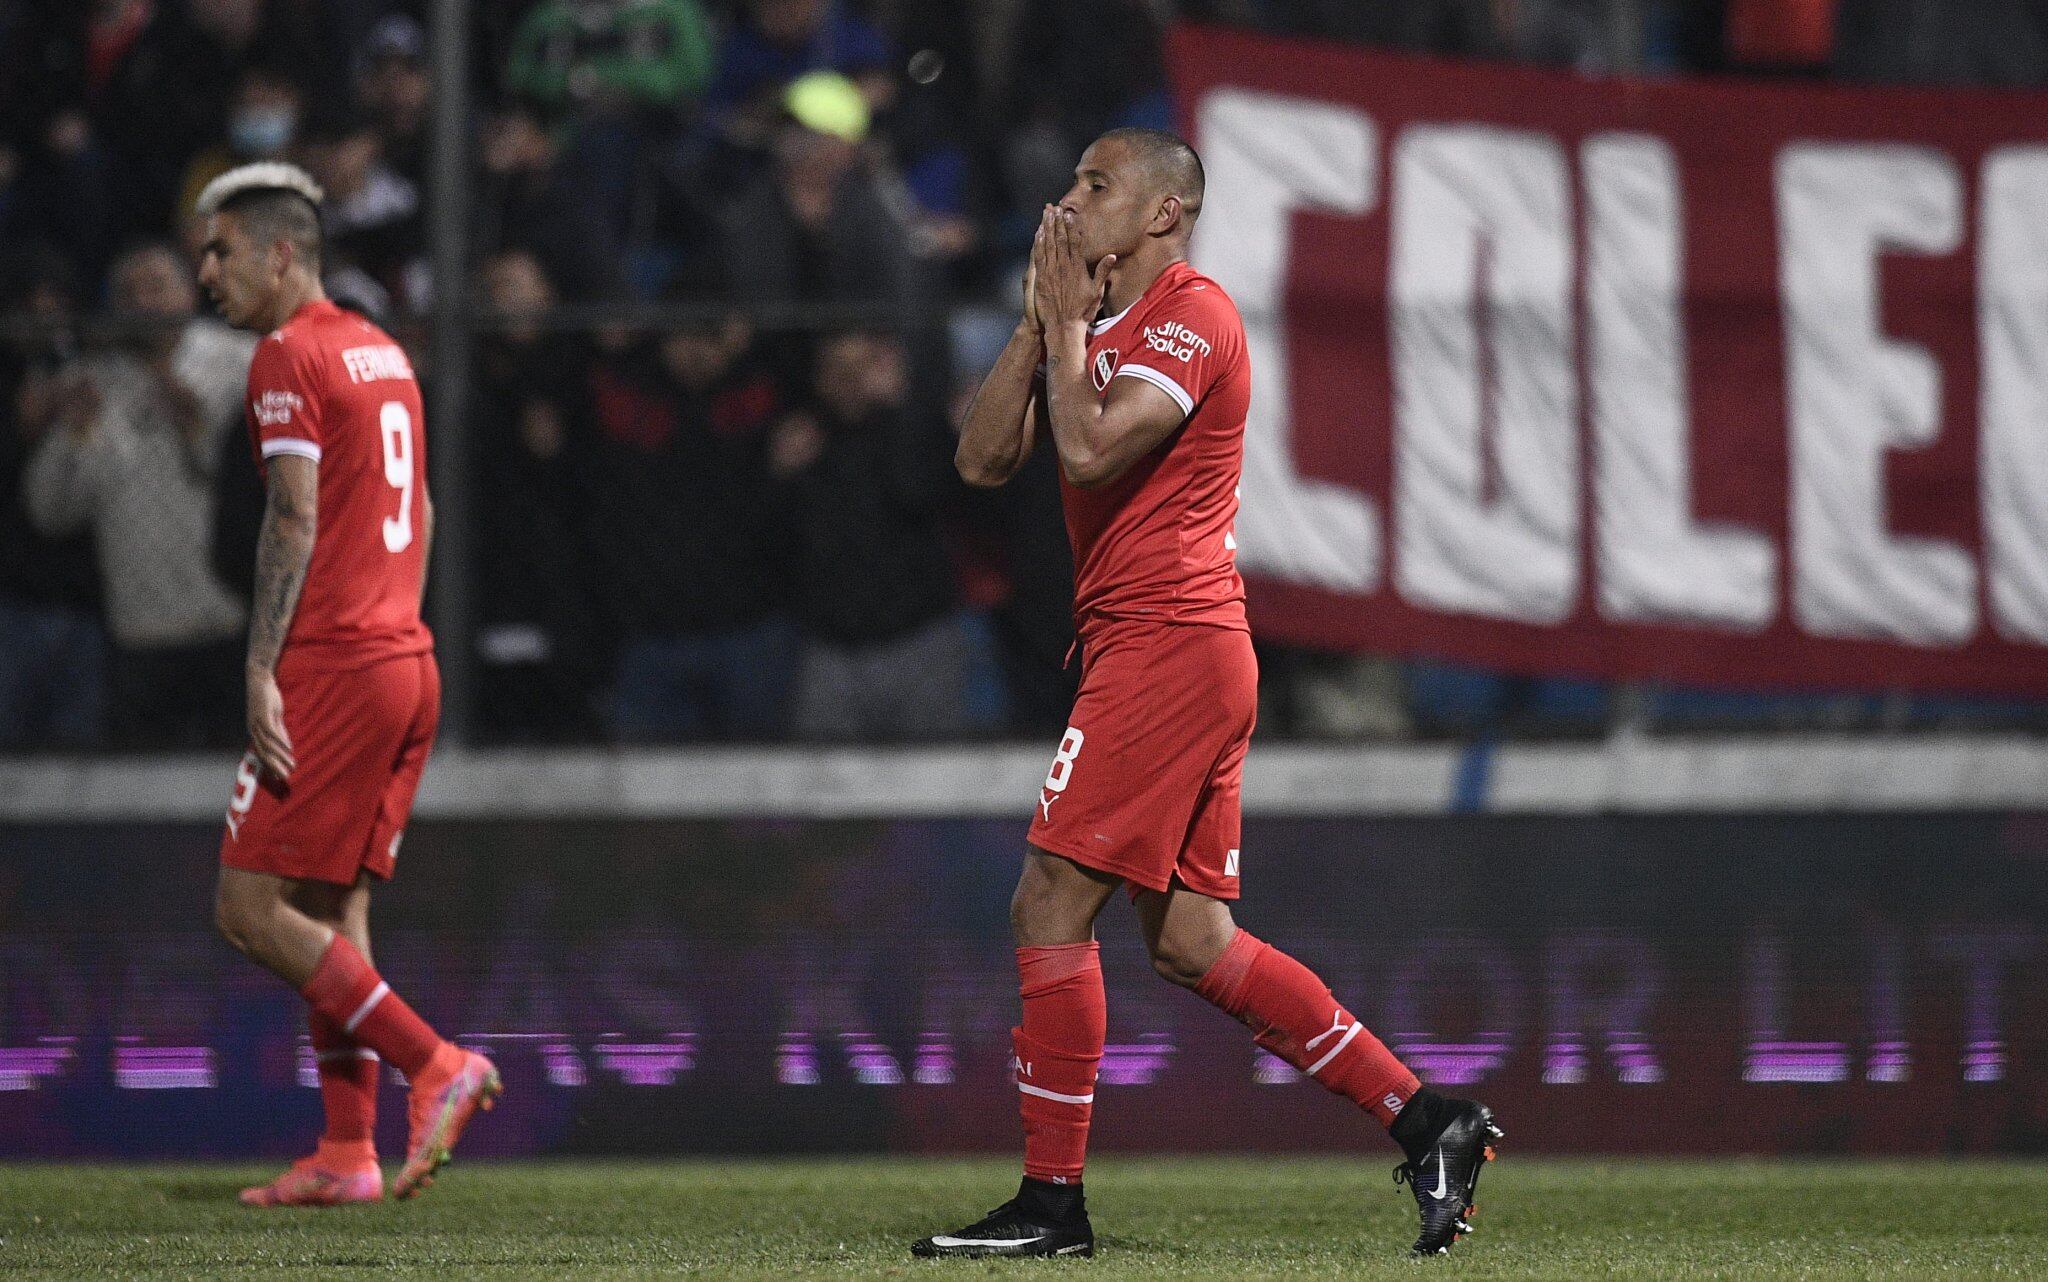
{"points": [[782, 39]]}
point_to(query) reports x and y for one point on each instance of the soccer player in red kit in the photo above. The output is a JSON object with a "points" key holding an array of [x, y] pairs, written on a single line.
{"points": [[1135, 364], [343, 692]]}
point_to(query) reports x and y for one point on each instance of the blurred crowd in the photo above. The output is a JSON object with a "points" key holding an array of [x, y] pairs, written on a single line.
{"points": [[739, 522]]}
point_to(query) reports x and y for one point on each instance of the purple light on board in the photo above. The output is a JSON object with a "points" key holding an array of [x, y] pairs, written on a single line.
{"points": [[560, 1061], [1454, 1063], [871, 1061], [22, 1067], [1136, 1063], [1889, 1062], [1775, 1061], [1269, 1069], [647, 1063], [796, 1060], [935, 1062], [1984, 1060], [162, 1068]]}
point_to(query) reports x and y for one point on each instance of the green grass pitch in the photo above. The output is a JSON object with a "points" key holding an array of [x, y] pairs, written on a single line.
{"points": [[1154, 1217]]}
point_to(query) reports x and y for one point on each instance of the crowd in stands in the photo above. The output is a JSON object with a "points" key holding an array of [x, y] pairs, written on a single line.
{"points": [[741, 526]]}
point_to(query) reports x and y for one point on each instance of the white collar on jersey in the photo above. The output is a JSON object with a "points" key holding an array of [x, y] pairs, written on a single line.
{"points": [[1102, 325], [1098, 327]]}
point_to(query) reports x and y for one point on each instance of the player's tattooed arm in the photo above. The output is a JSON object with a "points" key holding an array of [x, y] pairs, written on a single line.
{"points": [[1098, 436], [1002, 423], [291, 520]]}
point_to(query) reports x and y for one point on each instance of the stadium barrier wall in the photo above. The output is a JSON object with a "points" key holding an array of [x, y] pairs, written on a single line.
{"points": [[1626, 773], [784, 952]]}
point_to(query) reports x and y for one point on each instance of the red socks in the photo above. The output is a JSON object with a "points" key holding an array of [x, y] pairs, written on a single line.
{"points": [[349, 993], [1058, 1049], [1292, 1014], [348, 1083]]}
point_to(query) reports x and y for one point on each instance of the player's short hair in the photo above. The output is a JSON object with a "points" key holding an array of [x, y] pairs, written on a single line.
{"points": [[1172, 161], [275, 201]]}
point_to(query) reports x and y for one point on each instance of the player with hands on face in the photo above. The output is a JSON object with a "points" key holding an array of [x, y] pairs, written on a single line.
{"points": [[1135, 365]]}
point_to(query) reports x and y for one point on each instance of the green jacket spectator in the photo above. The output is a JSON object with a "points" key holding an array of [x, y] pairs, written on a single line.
{"points": [[653, 53]]}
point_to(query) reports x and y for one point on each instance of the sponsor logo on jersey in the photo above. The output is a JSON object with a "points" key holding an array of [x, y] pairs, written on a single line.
{"points": [[1105, 368], [275, 409], [372, 364], [1176, 340]]}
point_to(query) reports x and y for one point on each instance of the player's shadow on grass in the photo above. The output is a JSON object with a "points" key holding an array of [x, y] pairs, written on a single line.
{"points": [[225, 1189]]}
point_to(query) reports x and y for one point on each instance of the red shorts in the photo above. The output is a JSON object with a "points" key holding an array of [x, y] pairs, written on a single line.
{"points": [[361, 738], [1146, 782]]}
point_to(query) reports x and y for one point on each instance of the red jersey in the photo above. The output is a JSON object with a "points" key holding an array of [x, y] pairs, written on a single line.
{"points": [[332, 387], [1156, 543]]}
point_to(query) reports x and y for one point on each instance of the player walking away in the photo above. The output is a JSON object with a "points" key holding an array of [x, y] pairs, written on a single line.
{"points": [[343, 692], [1146, 407]]}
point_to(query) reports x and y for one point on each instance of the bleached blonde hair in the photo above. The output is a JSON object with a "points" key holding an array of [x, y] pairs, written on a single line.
{"points": [[264, 175]]}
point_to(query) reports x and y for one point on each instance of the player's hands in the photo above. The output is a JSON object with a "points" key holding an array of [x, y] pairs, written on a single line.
{"points": [[267, 737], [1068, 292], [1031, 321]]}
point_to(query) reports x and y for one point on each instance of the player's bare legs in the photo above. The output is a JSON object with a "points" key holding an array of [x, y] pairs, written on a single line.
{"points": [[1195, 943], [1057, 901], [267, 918], [1185, 933]]}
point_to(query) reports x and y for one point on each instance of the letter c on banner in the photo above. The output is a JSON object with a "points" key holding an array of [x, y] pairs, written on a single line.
{"points": [[1268, 156]]}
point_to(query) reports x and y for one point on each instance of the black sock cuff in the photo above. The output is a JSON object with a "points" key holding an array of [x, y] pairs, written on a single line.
{"points": [[1419, 1122], [1057, 1202]]}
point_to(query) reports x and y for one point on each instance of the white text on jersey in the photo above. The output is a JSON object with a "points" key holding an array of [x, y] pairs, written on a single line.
{"points": [[275, 409], [369, 364], [1176, 340]]}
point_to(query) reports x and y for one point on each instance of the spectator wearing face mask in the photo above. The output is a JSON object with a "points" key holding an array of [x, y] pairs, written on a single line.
{"points": [[261, 125], [133, 462], [168, 96]]}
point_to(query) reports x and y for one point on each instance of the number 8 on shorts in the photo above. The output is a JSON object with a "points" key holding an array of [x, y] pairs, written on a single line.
{"points": [[1063, 761]]}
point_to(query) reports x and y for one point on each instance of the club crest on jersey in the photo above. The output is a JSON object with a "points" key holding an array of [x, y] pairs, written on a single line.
{"points": [[1105, 368]]}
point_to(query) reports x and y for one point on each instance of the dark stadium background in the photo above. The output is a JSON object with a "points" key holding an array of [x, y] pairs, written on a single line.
{"points": [[634, 365]]}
